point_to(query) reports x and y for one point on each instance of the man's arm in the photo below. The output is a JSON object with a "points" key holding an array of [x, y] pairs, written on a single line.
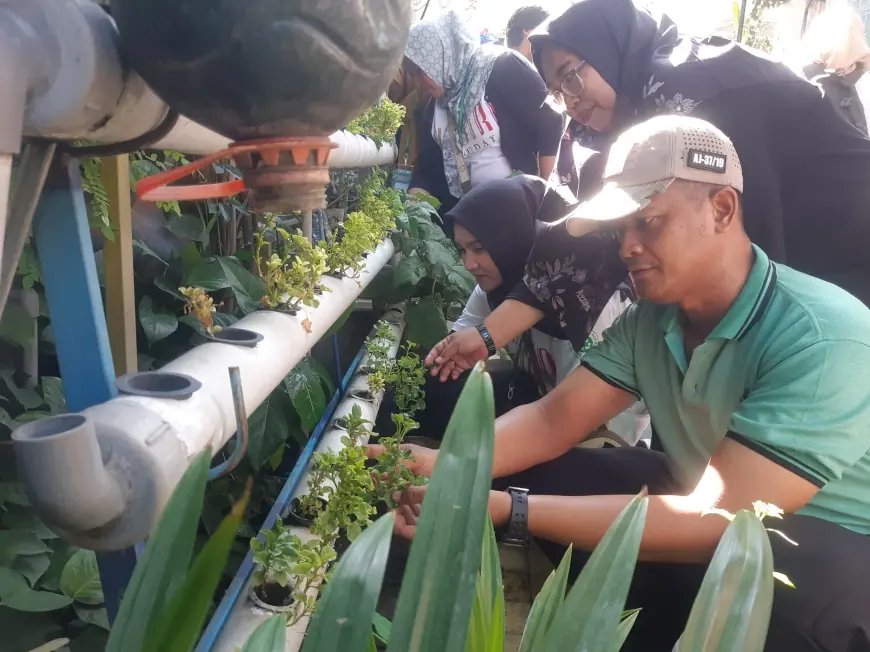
{"points": [[676, 528], [541, 431], [546, 164]]}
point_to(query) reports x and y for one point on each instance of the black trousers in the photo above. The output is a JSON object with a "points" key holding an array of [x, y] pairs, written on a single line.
{"points": [[828, 611]]}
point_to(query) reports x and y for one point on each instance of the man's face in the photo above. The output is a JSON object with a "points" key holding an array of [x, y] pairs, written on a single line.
{"points": [[669, 247], [593, 107]]}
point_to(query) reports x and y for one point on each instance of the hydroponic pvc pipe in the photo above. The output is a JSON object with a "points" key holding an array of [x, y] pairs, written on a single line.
{"points": [[244, 617], [147, 443]]}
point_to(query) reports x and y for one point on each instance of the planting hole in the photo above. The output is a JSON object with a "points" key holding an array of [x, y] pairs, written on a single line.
{"points": [[159, 384], [50, 427], [240, 336], [362, 395], [274, 595]]}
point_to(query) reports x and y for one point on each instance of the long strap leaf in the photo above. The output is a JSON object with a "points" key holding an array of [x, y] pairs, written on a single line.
{"points": [[343, 620], [732, 610], [590, 616], [270, 636], [545, 606], [164, 563], [437, 593]]}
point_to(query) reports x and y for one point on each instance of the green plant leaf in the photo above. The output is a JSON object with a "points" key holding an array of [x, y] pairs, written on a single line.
{"points": [[61, 551], [32, 567], [439, 257], [28, 398], [425, 322], [164, 563], [224, 272], [188, 227], [486, 628], [306, 392], [439, 584], [52, 394], [546, 605], [17, 326], [15, 517], [80, 579], [93, 616], [146, 250], [272, 424], [270, 636], [624, 629], [24, 631], [13, 493], [14, 543], [323, 373], [382, 627], [732, 610], [339, 323], [590, 616], [180, 622], [157, 323], [409, 272], [16, 594], [343, 619]]}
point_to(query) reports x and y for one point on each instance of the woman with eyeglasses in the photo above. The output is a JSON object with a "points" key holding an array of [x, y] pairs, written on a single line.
{"points": [[806, 170], [489, 116]]}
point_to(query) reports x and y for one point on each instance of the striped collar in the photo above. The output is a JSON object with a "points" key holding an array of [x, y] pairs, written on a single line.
{"points": [[746, 310]]}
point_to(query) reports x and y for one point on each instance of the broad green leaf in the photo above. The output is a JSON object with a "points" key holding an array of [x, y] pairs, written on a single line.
{"points": [[15, 517], [425, 323], [323, 372], [440, 258], [546, 606], [165, 561], [52, 394], [270, 636], [163, 283], [22, 631], [224, 272], [590, 616], [13, 493], [18, 542], [145, 249], [438, 589], [408, 272], [80, 579], [61, 552], [732, 610], [157, 323], [343, 620], [180, 622], [272, 424], [93, 615], [16, 594], [306, 392], [17, 326], [188, 227], [382, 627], [33, 567]]}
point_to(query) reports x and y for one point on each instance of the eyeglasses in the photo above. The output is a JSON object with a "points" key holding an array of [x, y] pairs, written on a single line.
{"points": [[571, 83]]}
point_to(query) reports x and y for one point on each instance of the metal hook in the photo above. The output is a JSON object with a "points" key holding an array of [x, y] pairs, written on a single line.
{"points": [[241, 428]]}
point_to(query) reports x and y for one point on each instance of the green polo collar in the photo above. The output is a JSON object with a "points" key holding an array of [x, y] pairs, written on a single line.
{"points": [[745, 311]]}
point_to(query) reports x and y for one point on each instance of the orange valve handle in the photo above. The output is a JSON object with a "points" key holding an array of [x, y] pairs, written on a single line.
{"points": [[157, 188]]}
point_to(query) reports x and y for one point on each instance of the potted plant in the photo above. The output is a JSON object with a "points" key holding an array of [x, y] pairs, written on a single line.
{"points": [[408, 378], [287, 569], [391, 473]]}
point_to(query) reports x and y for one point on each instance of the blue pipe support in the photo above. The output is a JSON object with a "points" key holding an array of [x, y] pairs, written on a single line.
{"points": [[62, 239], [234, 592]]}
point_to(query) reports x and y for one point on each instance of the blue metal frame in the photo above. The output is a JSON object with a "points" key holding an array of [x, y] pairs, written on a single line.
{"points": [[234, 592], [63, 241]]}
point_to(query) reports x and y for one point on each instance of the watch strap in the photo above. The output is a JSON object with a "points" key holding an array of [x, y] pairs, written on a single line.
{"points": [[516, 533], [487, 339]]}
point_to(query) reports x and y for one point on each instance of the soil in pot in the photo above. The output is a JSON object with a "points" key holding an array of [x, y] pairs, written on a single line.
{"points": [[363, 395], [297, 517], [273, 595], [342, 543], [340, 423]]}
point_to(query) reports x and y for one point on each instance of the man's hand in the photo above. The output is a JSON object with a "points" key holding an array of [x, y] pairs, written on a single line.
{"points": [[411, 506], [456, 353], [421, 463]]}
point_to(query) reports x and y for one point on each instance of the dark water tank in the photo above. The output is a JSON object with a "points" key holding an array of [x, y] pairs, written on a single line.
{"points": [[265, 68]]}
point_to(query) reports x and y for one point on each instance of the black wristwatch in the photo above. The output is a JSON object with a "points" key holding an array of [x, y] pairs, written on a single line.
{"points": [[516, 531], [487, 339]]}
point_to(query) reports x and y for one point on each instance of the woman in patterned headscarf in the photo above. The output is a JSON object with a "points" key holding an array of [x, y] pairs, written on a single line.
{"points": [[488, 117]]}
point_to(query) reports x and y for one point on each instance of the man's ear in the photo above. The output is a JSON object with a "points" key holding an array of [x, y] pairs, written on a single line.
{"points": [[726, 208]]}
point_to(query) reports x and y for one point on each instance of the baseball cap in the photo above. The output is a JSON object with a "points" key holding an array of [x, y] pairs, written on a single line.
{"points": [[647, 158]]}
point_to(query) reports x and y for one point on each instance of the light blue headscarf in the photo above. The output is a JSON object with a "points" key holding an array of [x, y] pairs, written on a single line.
{"points": [[449, 52]]}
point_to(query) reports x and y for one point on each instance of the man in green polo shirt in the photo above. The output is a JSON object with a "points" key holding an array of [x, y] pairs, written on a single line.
{"points": [[757, 380]]}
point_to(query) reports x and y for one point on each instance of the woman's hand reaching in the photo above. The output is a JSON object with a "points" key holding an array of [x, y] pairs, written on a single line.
{"points": [[457, 353]]}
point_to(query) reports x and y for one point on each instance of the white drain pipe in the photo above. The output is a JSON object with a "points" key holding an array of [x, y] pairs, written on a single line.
{"points": [[246, 616], [138, 447]]}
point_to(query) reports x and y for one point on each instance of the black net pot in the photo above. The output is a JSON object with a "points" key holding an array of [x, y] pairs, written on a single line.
{"points": [[252, 69]]}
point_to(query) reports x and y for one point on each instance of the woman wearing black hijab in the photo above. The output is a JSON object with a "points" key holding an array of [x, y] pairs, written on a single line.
{"points": [[806, 198]]}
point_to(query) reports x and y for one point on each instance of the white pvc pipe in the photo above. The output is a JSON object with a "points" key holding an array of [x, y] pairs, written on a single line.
{"points": [[5, 187], [245, 617]]}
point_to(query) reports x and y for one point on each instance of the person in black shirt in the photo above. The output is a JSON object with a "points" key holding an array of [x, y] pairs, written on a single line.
{"points": [[806, 169], [522, 23], [489, 117]]}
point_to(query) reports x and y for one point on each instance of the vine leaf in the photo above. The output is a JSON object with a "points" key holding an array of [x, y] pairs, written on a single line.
{"points": [[158, 324], [16, 594], [80, 578], [18, 542], [272, 424], [306, 392]]}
